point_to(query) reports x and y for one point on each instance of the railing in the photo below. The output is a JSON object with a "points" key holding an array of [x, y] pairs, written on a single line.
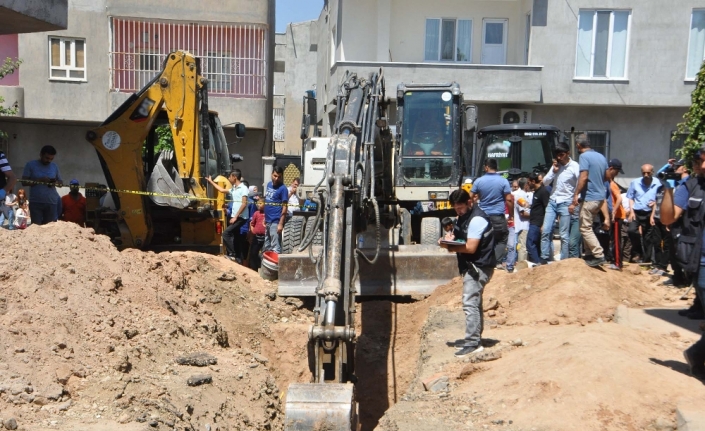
{"points": [[233, 56], [279, 123]]}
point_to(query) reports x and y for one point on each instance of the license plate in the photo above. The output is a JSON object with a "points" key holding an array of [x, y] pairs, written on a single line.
{"points": [[436, 205]]}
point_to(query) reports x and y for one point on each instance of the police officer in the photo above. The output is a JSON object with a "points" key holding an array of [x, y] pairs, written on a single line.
{"points": [[688, 204], [476, 262]]}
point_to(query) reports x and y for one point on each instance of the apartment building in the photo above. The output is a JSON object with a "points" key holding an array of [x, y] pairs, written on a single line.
{"points": [[622, 70], [296, 54], [73, 79]]}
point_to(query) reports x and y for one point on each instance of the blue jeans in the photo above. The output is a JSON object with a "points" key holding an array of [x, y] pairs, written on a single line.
{"points": [[553, 209], [271, 238], [472, 305], [533, 242], [9, 214], [511, 249], [42, 213], [575, 238]]}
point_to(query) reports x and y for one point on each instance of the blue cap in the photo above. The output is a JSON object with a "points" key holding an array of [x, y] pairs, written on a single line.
{"points": [[74, 182]]}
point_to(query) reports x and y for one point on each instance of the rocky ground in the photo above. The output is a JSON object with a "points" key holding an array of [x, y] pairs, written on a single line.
{"points": [[96, 339]]}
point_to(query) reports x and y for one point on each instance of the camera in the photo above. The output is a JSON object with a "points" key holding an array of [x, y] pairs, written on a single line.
{"points": [[668, 174]]}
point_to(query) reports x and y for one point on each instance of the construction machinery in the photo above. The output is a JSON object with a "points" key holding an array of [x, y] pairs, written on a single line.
{"points": [[370, 179], [405, 181], [156, 175]]}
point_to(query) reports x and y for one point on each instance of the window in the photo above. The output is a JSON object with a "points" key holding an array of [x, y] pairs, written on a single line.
{"points": [[602, 44], [677, 141], [448, 40], [218, 71], [696, 46], [67, 59], [599, 140]]}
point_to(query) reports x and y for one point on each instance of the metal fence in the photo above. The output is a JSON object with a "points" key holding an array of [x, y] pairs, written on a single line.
{"points": [[279, 123], [233, 56]]}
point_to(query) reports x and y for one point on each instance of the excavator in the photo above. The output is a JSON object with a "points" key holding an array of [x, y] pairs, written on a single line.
{"points": [[160, 199], [369, 178]]}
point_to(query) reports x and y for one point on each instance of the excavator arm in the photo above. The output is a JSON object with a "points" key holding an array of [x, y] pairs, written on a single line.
{"points": [[180, 91], [346, 197]]}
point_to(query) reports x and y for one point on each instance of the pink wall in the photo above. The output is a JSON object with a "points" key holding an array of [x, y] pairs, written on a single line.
{"points": [[9, 47]]}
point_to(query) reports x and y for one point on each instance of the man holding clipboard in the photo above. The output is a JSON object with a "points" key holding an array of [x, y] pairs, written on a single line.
{"points": [[474, 245]]}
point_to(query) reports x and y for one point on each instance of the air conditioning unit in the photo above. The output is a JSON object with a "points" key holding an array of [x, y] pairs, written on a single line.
{"points": [[515, 116]]}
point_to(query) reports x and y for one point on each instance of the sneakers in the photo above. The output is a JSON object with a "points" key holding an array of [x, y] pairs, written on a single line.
{"points": [[695, 366], [468, 350], [594, 262], [614, 267], [657, 271]]}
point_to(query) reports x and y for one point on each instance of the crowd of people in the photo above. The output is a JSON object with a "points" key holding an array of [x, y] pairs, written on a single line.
{"points": [[255, 220], [501, 223], [43, 178]]}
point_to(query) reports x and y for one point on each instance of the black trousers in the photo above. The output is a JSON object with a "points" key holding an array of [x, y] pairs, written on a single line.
{"points": [[501, 236], [663, 243], [233, 240], [641, 243], [255, 248]]}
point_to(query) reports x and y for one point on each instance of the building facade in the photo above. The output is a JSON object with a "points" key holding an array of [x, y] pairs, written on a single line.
{"points": [[71, 80], [622, 70]]}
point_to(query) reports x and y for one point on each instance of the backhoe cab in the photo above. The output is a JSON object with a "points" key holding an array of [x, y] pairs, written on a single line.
{"points": [[520, 149], [156, 150]]}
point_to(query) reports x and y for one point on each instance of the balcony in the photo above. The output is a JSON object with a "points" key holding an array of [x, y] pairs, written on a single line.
{"points": [[29, 16], [479, 82]]}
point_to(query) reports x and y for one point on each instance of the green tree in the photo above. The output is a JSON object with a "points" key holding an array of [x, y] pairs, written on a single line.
{"points": [[165, 140], [693, 124], [8, 67]]}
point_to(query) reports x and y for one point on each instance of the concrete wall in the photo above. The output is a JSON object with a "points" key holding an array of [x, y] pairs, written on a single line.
{"points": [[25, 16], [300, 76], [408, 26], [658, 45], [75, 157]]}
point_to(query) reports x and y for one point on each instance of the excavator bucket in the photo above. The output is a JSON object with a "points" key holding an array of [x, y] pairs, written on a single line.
{"points": [[321, 406], [399, 270]]}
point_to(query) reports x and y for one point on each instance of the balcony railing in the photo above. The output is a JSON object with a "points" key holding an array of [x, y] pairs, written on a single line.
{"points": [[233, 56]]}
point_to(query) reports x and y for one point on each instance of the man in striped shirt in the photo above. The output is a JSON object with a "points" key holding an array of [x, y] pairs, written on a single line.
{"points": [[7, 177]]}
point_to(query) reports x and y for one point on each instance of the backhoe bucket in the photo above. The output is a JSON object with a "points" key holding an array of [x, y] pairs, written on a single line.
{"points": [[321, 406], [399, 270]]}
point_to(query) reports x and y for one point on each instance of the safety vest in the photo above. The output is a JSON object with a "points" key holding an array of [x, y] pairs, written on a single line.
{"points": [[690, 241], [484, 255]]}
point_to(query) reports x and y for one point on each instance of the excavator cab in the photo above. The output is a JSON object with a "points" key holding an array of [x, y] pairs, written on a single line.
{"points": [[519, 148]]}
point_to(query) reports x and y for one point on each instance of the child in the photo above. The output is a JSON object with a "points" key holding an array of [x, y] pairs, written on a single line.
{"points": [[448, 225], [257, 229]]}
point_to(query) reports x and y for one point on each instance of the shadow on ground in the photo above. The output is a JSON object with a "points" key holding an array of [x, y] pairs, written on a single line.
{"points": [[671, 316]]}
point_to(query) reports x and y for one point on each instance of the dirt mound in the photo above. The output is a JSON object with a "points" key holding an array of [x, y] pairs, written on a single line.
{"points": [[563, 292], [91, 335]]}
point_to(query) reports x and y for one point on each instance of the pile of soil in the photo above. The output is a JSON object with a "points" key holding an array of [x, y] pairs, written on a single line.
{"points": [[564, 292], [91, 335]]}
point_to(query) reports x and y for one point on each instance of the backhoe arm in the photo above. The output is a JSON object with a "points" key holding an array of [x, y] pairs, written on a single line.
{"points": [[119, 142]]}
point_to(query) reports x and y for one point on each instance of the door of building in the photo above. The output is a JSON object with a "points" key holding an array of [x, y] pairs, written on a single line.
{"points": [[494, 41]]}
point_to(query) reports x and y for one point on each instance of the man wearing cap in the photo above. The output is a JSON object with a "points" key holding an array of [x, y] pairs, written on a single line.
{"points": [[642, 197], [73, 205], [614, 168], [493, 193], [562, 179], [591, 192]]}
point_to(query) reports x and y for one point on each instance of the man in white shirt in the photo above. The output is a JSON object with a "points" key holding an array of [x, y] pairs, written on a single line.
{"points": [[521, 217], [563, 178], [293, 198]]}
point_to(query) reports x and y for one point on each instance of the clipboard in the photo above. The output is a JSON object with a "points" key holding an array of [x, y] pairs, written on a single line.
{"points": [[453, 242]]}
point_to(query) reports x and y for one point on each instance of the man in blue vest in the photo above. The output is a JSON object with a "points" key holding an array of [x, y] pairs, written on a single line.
{"points": [[476, 262]]}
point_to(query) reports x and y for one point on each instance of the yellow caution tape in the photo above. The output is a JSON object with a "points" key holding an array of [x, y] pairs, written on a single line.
{"points": [[143, 193]]}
